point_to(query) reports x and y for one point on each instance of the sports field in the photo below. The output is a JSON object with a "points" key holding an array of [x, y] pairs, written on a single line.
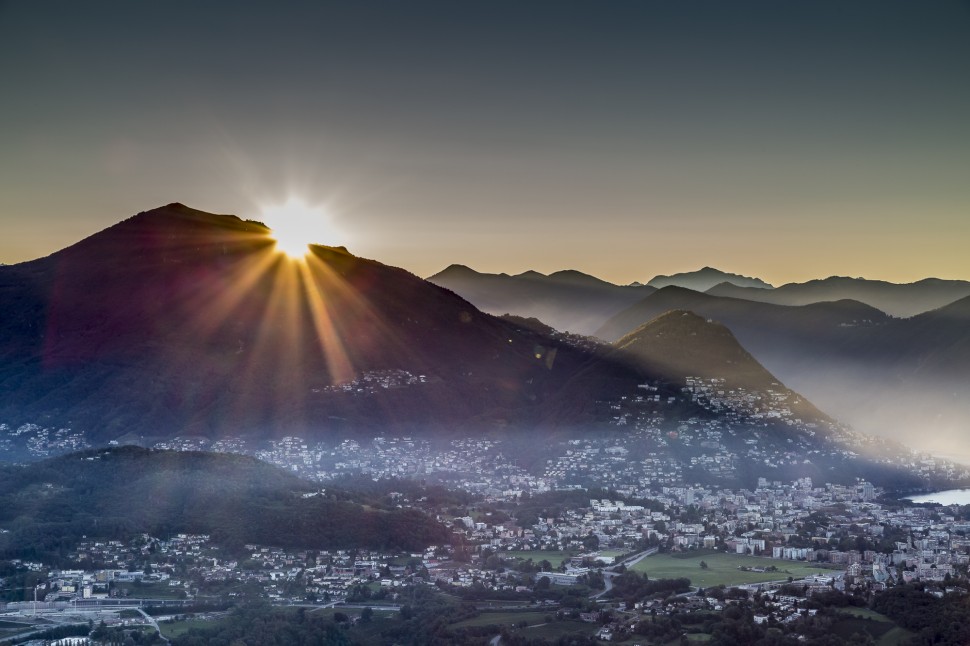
{"points": [[722, 569]]}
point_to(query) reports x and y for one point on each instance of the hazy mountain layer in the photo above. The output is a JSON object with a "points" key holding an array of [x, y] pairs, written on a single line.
{"points": [[901, 300], [569, 301], [905, 378], [706, 278]]}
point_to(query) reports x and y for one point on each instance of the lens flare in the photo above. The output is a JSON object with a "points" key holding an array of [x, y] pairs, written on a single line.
{"points": [[295, 225]]}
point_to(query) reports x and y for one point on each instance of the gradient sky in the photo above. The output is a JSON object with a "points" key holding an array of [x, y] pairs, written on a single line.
{"points": [[787, 140]]}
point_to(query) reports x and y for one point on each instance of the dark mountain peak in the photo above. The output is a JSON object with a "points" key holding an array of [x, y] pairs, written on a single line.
{"points": [[455, 271], [844, 280], [847, 307], [706, 278], [676, 291], [531, 274], [681, 343], [577, 278]]}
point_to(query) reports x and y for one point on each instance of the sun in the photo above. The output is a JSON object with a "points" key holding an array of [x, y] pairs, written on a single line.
{"points": [[295, 225]]}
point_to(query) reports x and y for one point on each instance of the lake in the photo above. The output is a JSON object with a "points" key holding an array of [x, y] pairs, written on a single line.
{"points": [[949, 497]]}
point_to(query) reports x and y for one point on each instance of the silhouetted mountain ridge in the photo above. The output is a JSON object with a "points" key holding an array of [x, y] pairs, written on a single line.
{"points": [[706, 278], [901, 300], [567, 300]]}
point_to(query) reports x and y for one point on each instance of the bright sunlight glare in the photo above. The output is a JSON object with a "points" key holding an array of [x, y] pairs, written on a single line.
{"points": [[295, 225]]}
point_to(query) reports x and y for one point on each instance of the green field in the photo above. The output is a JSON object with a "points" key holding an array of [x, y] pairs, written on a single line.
{"points": [[722, 569], [504, 619], [172, 629], [350, 612], [12, 628], [882, 628], [864, 613], [895, 637], [846, 627], [556, 629]]}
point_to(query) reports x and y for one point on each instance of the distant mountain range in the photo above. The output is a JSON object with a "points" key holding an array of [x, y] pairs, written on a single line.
{"points": [[706, 278], [901, 300], [576, 302], [569, 301]]}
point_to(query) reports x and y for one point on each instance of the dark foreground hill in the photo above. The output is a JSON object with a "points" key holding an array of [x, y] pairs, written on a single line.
{"points": [[119, 493]]}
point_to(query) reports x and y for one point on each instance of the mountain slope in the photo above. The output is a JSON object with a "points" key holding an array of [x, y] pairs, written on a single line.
{"points": [[567, 300], [706, 278], [684, 345], [902, 300], [177, 322], [680, 343]]}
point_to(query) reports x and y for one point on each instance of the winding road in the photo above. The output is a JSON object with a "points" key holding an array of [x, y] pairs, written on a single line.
{"points": [[627, 562]]}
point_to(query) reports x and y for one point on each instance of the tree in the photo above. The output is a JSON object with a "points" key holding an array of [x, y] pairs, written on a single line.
{"points": [[703, 565], [366, 615]]}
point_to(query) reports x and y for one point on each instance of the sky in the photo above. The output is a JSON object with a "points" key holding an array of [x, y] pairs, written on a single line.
{"points": [[785, 140]]}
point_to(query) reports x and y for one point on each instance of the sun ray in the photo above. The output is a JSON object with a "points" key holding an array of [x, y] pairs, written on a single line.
{"points": [[314, 273], [277, 350]]}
